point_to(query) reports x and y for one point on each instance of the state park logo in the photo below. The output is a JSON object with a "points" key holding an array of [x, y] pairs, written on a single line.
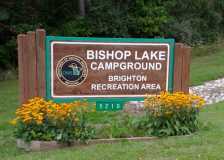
{"points": [[72, 70]]}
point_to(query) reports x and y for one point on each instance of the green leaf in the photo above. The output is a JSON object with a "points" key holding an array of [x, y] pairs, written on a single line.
{"points": [[4, 14]]}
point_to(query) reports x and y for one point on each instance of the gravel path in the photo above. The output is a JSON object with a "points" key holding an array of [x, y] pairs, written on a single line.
{"points": [[211, 91]]}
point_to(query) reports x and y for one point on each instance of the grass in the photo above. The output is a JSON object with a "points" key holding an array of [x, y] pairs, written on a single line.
{"points": [[117, 125], [207, 63], [208, 143]]}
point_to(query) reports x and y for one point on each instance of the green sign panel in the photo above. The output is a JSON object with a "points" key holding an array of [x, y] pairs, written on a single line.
{"points": [[109, 106]]}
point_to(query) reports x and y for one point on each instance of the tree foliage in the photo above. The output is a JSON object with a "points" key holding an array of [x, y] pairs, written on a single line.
{"points": [[188, 21]]}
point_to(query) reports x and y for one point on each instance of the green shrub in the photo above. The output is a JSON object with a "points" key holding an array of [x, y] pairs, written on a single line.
{"points": [[78, 27]]}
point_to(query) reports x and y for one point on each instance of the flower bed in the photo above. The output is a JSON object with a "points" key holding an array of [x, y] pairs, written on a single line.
{"points": [[48, 121], [173, 114], [40, 122]]}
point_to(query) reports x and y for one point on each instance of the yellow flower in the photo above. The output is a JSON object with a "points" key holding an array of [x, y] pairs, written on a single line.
{"points": [[166, 102], [37, 110]]}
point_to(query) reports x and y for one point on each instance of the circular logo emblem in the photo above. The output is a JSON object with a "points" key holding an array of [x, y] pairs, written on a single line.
{"points": [[72, 70]]}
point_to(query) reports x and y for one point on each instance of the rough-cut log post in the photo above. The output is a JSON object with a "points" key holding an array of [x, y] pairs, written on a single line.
{"points": [[40, 43]]}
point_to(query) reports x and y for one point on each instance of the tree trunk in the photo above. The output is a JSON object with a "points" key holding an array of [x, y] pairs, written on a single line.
{"points": [[82, 11]]}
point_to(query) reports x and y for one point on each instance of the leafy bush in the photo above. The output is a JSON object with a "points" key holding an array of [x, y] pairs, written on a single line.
{"points": [[147, 18], [173, 114], [78, 27], [194, 21], [108, 18], [44, 120], [7, 55]]}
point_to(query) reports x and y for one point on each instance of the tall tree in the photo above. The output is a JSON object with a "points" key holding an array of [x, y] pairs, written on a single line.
{"points": [[82, 10]]}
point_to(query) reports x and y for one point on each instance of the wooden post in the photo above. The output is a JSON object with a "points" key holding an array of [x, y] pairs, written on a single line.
{"points": [[177, 86], [186, 69], [31, 59], [181, 68], [40, 43], [21, 45], [23, 67], [32, 65]]}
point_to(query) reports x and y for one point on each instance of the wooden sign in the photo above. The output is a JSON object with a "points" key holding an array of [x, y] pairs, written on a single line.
{"points": [[109, 71], [103, 68]]}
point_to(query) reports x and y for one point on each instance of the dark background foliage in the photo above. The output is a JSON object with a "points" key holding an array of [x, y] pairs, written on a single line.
{"points": [[192, 22]]}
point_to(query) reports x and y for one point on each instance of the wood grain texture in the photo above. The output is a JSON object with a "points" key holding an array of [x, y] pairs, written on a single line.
{"points": [[32, 65], [177, 86], [25, 67], [21, 45], [40, 43], [186, 69]]}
